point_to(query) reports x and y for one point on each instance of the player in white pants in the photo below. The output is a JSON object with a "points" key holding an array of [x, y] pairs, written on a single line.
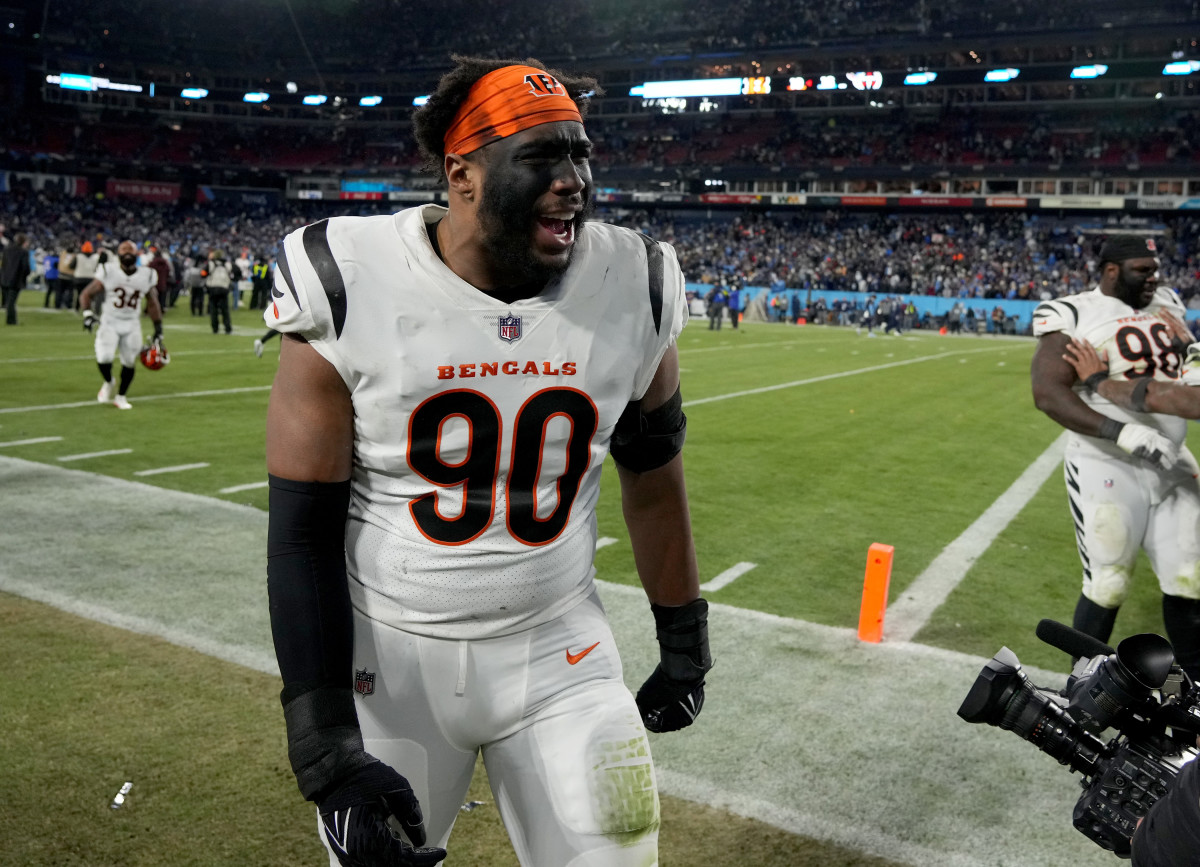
{"points": [[520, 700], [125, 285], [451, 381], [1130, 479]]}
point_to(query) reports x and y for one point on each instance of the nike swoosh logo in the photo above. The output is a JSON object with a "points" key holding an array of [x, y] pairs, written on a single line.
{"points": [[340, 833], [573, 658]]}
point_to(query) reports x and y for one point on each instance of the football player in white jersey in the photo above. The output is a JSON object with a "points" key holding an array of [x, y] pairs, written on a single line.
{"points": [[450, 382], [125, 285], [1180, 397], [1131, 481]]}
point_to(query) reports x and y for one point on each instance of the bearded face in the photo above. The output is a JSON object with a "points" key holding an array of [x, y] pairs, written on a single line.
{"points": [[1136, 282], [537, 193]]}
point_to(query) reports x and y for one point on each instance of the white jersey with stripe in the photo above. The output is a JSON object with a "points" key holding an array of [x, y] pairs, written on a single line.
{"points": [[1137, 343], [480, 426], [124, 293]]}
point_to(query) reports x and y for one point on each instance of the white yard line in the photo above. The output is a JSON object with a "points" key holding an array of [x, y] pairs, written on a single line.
{"points": [[839, 375], [30, 442], [912, 610], [248, 487], [605, 541], [178, 468], [86, 455], [727, 577], [141, 398]]}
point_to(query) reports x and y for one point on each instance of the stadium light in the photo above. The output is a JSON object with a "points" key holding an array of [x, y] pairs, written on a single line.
{"points": [[1001, 74], [420, 100], [78, 81], [193, 93], [315, 99], [917, 79], [1095, 70], [1181, 67], [258, 96], [369, 101], [688, 87]]}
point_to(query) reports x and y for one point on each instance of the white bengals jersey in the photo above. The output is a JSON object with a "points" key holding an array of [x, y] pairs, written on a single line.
{"points": [[123, 293], [480, 426], [1137, 343]]}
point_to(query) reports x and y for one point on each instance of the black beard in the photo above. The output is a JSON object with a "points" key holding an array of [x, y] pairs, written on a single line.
{"points": [[506, 220], [128, 261], [1129, 293]]}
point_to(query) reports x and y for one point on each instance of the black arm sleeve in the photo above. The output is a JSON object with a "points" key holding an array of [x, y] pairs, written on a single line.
{"points": [[311, 620]]}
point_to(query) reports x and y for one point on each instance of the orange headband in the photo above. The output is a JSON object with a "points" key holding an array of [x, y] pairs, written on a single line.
{"points": [[505, 101]]}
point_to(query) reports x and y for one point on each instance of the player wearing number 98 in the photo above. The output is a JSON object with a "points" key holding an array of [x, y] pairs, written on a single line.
{"points": [[125, 285], [450, 382], [1131, 481]]}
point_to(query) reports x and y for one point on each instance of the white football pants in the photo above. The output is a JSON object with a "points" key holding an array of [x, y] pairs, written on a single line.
{"points": [[1122, 506], [563, 743]]}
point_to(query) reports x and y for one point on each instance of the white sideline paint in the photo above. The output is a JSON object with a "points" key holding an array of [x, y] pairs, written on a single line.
{"points": [[30, 442], [840, 374], [727, 577], [250, 487], [905, 617], [605, 541], [141, 398], [805, 727], [178, 468], [86, 455]]}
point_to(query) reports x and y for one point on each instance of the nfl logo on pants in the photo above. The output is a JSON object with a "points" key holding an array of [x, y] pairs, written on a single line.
{"points": [[510, 328]]}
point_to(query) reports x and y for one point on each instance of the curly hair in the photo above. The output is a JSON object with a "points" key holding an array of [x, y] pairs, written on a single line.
{"points": [[432, 120]]}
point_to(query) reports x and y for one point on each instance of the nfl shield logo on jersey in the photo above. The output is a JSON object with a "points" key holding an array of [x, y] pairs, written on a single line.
{"points": [[364, 681], [510, 328]]}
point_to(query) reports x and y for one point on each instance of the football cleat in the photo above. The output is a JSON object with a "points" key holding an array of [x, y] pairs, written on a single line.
{"points": [[154, 355], [258, 347], [122, 402], [105, 394]]}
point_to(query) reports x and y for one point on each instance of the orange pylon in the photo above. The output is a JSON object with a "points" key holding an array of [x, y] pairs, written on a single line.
{"points": [[875, 592]]}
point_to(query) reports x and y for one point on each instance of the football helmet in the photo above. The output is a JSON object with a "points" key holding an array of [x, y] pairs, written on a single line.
{"points": [[154, 355]]}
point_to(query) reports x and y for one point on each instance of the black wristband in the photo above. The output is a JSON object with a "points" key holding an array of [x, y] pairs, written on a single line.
{"points": [[1137, 397], [682, 632], [1110, 429], [1092, 383], [325, 744], [158, 328]]}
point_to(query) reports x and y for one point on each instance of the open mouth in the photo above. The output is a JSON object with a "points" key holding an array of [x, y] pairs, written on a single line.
{"points": [[555, 233]]}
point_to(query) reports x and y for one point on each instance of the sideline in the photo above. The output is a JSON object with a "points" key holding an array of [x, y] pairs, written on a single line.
{"points": [[805, 727]]}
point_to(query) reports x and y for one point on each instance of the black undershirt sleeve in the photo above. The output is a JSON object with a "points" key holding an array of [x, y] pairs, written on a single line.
{"points": [[311, 616]]}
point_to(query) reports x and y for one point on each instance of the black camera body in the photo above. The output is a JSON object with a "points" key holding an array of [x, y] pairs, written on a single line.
{"points": [[1138, 690]]}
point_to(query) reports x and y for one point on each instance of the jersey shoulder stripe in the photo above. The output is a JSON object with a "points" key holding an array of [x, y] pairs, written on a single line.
{"points": [[654, 270], [316, 245], [285, 269]]}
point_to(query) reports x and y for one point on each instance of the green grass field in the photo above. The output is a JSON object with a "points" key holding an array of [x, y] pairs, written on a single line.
{"points": [[805, 445]]}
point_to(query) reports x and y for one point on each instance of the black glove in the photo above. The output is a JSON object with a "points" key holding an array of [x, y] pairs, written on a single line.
{"points": [[102, 258], [673, 695], [89, 319], [364, 804]]}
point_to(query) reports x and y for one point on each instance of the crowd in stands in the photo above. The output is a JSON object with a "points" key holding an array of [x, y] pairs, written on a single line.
{"points": [[967, 255], [769, 141], [274, 37]]}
